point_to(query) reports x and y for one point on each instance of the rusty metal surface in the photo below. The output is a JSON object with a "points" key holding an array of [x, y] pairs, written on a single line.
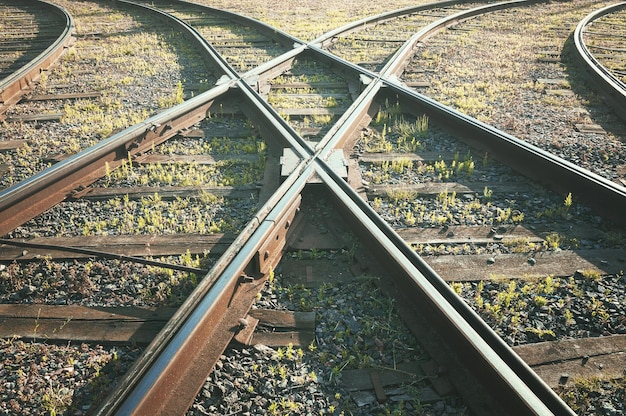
{"points": [[215, 309], [165, 382], [516, 388], [31, 197], [607, 198], [14, 86], [612, 86]]}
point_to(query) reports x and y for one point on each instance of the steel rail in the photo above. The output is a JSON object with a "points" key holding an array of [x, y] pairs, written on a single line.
{"points": [[612, 86], [30, 197], [265, 114], [190, 33], [604, 196], [525, 391], [15, 85], [34, 195], [326, 39], [282, 37], [271, 69], [206, 314], [516, 387], [398, 62], [183, 348], [276, 34], [251, 255], [525, 399]]}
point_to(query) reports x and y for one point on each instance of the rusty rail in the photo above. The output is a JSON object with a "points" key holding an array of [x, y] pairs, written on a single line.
{"points": [[212, 312], [519, 390], [33, 196], [604, 196], [14, 86], [612, 87], [213, 309], [29, 198]]}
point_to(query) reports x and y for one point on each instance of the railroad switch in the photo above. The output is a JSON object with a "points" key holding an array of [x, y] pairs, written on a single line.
{"points": [[336, 160]]}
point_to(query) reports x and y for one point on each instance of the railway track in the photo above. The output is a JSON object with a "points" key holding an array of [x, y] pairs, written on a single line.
{"points": [[77, 107], [32, 41], [346, 110], [489, 87], [606, 63]]}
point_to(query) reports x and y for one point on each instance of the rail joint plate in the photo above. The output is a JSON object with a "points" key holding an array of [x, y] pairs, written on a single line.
{"points": [[270, 252]]}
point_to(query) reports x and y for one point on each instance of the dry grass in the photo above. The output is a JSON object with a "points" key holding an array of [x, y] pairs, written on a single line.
{"points": [[309, 19]]}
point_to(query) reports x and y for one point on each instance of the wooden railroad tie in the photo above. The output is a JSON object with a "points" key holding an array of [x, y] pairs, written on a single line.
{"points": [[139, 325]]}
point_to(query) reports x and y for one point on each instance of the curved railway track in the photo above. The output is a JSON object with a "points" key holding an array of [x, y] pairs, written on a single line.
{"points": [[32, 42], [561, 111], [341, 109], [606, 63], [75, 107]]}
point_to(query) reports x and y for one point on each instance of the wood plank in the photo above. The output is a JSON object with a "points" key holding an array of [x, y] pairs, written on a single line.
{"points": [[359, 379], [561, 362], [560, 92], [325, 85], [467, 234], [81, 331], [80, 312], [340, 95], [197, 159], [360, 382], [278, 320], [435, 188], [558, 263], [570, 349], [12, 144], [390, 157], [314, 111], [82, 324], [484, 234], [564, 373], [589, 128], [170, 192], [130, 245], [35, 117], [398, 394], [309, 131], [314, 272], [127, 324], [418, 84], [283, 339], [218, 132], [284, 319], [69, 96]]}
